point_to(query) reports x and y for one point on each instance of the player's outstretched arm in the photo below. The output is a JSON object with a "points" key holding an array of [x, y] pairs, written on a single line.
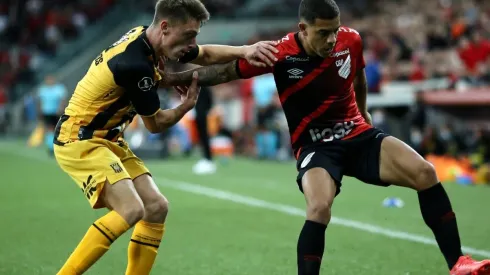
{"points": [[208, 75], [260, 54], [165, 119]]}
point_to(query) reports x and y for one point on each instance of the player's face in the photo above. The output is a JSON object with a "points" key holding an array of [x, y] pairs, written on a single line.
{"points": [[179, 38], [321, 36]]}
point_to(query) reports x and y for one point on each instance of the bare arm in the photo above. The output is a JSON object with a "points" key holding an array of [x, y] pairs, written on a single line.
{"points": [[258, 54], [361, 90], [164, 119], [208, 76]]}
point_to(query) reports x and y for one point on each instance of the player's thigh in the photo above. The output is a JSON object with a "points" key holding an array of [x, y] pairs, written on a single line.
{"points": [[319, 187], [319, 178], [156, 205], [402, 166], [91, 163]]}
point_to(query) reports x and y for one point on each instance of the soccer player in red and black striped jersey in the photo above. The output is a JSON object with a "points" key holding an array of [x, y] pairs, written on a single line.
{"points": [[319, 74]]}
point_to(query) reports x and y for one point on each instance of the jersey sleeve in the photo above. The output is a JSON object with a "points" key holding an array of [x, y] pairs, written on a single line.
{"points": [[246, 70], [190, 55], [141, 89]]}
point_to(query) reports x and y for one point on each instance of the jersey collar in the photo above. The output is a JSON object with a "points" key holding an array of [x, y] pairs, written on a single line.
{"points": [[302, 48], [148, 49]]}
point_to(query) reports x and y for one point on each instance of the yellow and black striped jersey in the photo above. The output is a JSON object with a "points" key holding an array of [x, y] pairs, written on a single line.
{"points": [[121, 82]]}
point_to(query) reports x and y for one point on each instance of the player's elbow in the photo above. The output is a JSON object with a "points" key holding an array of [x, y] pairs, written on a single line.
{"points": [[153, 124]]}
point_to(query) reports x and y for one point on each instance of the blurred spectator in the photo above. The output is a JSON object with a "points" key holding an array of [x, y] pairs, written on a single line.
{"points": [[51, 96], [266, 139]]}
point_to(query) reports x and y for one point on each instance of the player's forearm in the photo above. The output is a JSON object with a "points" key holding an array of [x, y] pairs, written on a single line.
{"points": [[208, 75], [361, 90], [220, 54], [168, 118]]}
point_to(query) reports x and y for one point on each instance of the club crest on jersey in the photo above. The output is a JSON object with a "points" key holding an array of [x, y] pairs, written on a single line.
{"points": [[146, 83], [295, 73], [345, 68]]}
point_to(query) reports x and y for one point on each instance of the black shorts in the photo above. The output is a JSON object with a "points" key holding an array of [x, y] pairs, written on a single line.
{"points": [[50, 120], [356, 157]]}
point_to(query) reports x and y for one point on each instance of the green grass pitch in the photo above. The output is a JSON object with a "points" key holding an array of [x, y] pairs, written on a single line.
{"points": [[243, 220]]}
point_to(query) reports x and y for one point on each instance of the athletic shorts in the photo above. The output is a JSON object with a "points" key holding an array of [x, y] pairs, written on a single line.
{"points": [[90, 163], [355, 157]]}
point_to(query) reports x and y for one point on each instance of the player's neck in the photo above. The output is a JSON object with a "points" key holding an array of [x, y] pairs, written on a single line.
{"points": [[306, 46], [152, 34]]}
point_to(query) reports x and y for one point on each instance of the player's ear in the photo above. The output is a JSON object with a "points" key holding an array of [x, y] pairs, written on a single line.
{"points": [[302, 28], [164, 26]]}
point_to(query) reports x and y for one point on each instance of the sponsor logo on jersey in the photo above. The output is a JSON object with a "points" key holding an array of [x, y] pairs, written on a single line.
{"points": [[337, 54], [297, 59], [338, 131]]}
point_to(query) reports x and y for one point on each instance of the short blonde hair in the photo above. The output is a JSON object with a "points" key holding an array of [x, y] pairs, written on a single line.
{"points": [[180, 10]]}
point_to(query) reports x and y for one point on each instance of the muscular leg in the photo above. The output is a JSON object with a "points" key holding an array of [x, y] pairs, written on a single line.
{"points": [[401, 165], [319, 190], [148, 232], [127, 208]]}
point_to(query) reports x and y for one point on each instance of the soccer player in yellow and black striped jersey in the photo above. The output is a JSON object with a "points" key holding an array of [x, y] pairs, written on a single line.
{"points": [[121, 83]]}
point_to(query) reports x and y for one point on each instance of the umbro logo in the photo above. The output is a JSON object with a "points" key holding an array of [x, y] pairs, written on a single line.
{"points": [[295, 73]]}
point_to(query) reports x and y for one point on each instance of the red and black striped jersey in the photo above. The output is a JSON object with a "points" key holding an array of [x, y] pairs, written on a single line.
{"points": [[317, 94]]}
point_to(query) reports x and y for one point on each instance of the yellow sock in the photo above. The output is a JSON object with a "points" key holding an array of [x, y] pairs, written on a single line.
{"points": [[95, 243], [143, 247]]}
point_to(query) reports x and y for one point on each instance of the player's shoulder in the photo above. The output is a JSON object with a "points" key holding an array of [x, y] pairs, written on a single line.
{"points": [[350, 36], [288, 46], [347, 34], [134, 57]]}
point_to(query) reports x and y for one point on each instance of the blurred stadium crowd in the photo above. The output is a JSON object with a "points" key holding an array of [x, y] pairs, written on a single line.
{"points": [[404, 41]]}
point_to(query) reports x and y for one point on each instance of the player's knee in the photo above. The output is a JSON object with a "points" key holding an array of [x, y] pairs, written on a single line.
{"points": [[157, 209], [319, 211], [426, 176], [132, 212]]}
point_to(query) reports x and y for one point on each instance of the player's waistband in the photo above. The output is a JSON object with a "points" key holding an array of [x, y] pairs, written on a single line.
{"points": [[85, 132], [315, 137]]}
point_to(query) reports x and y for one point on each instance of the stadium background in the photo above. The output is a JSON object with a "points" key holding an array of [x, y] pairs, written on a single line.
{"points": [[428, 70]]}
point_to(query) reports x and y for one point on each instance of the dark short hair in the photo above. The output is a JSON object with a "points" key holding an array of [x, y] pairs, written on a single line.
{"points": [[310, 10], [180, 10]]}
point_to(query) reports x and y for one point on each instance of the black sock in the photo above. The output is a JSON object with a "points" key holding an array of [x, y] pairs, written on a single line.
{"points": [[439, 216], [311, 244]]}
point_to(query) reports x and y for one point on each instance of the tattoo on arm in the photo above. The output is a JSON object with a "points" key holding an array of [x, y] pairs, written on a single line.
{"points": [[208, 75]]}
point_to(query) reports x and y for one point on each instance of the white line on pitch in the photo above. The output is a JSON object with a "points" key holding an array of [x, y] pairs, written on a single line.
{"points": [[294, 211]]}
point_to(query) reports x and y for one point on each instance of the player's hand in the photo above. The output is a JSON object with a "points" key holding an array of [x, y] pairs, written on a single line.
{"points": [[261, 54], [189, 95], [367, 117]]}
